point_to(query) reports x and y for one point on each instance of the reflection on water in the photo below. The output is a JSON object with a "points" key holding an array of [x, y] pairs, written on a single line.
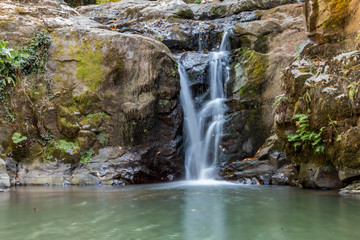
{"points": [[204, 213], [182, 210]]}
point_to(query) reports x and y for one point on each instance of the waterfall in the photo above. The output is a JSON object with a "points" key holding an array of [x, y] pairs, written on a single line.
{"points": [[203, 127]]}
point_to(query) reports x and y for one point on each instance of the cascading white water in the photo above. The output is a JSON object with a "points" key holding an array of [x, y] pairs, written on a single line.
{"points": [[203, 127]]}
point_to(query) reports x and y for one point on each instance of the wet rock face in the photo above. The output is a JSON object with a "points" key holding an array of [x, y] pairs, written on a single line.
{"points": [[266, 46], [179, 34], [268, 166], [248, 121], [116, 93]]}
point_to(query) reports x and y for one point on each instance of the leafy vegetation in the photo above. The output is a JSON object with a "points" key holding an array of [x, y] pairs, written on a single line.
{"points": [[353, 89], [279, 100], [37, 49], [17, 138], [10, 69], [17, 65], [86, 156], [306, 137], [10, 61], [62, 144]]}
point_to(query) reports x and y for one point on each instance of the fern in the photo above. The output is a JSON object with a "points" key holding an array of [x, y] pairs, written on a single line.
{"points": [[306, 137]]}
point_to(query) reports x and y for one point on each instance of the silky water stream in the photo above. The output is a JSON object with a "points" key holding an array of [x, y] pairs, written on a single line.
{"points": [[203, 126]]}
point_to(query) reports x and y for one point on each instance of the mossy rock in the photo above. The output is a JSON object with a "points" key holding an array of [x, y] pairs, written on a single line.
{"points": [[349, 149], [86, 139], [68, 128], [87, 102], [216, 12], [338, 12], [254, 67], [65, 150], [184, 13], [93, 121], [326, 108], [76, 3], [89, 64]]}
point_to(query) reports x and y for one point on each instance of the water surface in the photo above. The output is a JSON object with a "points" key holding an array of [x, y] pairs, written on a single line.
{"points": [[181, 210]]}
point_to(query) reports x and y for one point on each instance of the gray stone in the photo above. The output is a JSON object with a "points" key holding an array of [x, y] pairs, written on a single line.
{"points": [[286, 175], [351, 189], [348, 173], [4, 177], [313, 176], [39, 173], [252, 168]]}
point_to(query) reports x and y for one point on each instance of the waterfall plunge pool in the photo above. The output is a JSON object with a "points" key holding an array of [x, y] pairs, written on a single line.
{"points": [[180, 210]]}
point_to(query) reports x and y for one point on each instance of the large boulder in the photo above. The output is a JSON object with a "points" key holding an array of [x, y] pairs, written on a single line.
{"points": [[313, 176], [102, 88]]}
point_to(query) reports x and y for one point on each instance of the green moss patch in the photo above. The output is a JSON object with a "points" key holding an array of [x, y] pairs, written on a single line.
{"points": [[254, 65], [89, 65], [338, 10]]}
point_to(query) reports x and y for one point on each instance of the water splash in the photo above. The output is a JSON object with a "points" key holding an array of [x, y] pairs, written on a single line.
{"points": [[203, 127]]}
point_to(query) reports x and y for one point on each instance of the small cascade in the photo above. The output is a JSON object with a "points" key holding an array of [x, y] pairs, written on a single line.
{"points": [[203, 126]]}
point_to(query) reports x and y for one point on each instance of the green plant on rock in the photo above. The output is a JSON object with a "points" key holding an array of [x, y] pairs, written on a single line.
{"points": [[86, 156], [353, 89], [102, 138], [38, 50], [17, 138], [70, 147], [279, 100], [305, 137], [10, 61], [333, 125], [10, 65]]}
